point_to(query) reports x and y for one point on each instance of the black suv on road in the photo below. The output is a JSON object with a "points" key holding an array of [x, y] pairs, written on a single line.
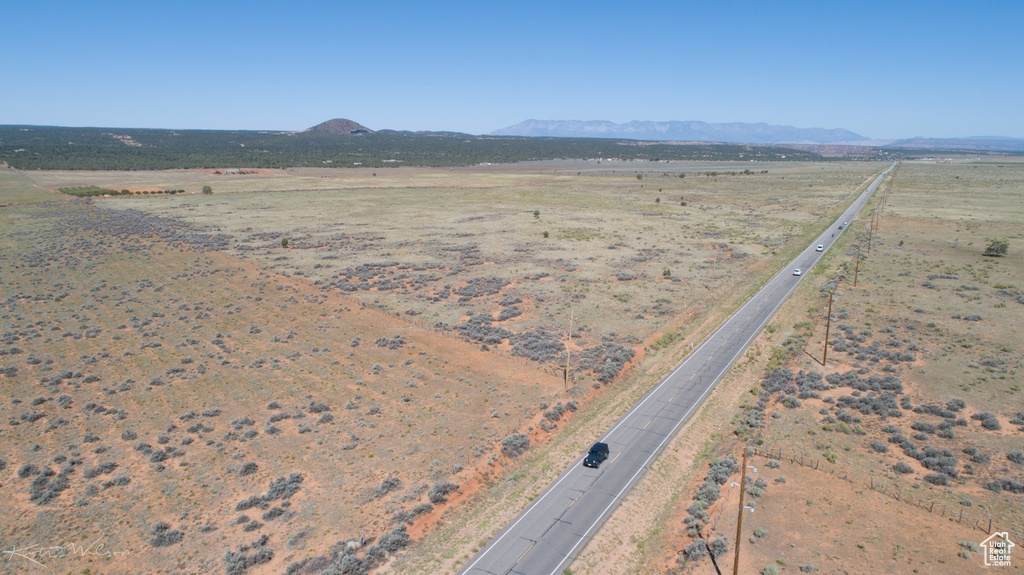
{"points": [[598, 453]]}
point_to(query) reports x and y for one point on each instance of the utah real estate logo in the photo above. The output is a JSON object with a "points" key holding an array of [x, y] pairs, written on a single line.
{"points": [[997, 549]]}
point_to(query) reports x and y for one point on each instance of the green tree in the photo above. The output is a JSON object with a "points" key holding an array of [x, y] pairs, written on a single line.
{"points": [[284, 242], [997, 247], [207, 190]]}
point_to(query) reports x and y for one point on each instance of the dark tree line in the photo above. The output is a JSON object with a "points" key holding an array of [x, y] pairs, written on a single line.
{"points": [[45, 147]]}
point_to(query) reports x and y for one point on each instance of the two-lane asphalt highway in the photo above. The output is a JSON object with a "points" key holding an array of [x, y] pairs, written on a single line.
{"points": [[545, 538]]}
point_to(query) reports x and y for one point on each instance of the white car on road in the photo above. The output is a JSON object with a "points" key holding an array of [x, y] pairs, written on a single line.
{"points": [[796, 272]]}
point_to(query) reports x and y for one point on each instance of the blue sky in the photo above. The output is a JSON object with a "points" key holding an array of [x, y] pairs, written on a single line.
{"points": [[935, 69]]}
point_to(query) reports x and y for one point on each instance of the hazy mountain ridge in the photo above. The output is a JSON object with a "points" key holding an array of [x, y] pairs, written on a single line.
{"points": [[759, 133]]}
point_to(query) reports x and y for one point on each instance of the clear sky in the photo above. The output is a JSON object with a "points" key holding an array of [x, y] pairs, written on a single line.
{"points": [[883, 69]]}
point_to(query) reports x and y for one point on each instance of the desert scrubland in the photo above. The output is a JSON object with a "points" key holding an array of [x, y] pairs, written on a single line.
{"points": [[262, 377]]}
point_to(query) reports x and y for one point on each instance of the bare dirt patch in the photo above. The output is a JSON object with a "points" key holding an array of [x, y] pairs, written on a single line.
{"points": [[833, 525]]}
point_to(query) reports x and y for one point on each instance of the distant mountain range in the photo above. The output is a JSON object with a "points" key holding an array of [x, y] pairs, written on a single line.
{"points": [[736, 132], [739, 132]]}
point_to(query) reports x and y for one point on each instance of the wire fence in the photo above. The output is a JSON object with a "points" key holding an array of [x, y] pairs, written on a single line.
{"points": [[954, 513]]}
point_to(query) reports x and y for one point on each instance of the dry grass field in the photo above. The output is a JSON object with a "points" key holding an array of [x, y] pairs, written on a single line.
{"points": [[197, 396], [611, 245]]}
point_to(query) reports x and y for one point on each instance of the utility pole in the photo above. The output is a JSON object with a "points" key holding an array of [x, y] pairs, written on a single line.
{"points": [[870, 230], [888, 189], [856, 267], [828, 324], [568, 351], [739, 520], [714, 266]]}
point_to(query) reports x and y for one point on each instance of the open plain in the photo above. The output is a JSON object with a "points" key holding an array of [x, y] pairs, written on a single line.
{"points": [[263, 376]]}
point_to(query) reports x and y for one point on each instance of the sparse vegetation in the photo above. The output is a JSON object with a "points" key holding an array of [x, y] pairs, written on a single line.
{"points": [[164, 536], [440, 491], [718, 473], [515, 444], [997, 247], [390, 483], [249, 555], [988, 420]]}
